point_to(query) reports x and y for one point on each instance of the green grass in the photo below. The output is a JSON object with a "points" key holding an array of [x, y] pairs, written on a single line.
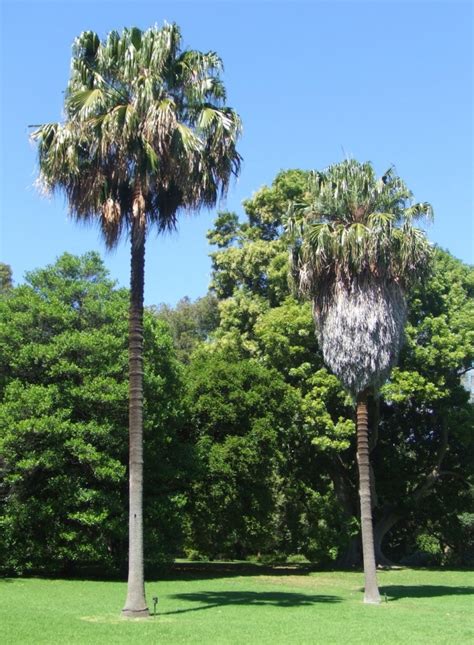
{"points": [[230, 604]]}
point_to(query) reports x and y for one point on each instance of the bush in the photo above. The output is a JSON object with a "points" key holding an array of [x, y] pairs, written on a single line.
{"points": [[297, 558]]}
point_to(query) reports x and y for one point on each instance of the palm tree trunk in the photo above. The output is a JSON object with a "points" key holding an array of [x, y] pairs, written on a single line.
{"points": [[371, 589], [135, 605]]}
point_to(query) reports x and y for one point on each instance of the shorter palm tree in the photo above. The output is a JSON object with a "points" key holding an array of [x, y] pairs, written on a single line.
{"points": [[355, 252]]}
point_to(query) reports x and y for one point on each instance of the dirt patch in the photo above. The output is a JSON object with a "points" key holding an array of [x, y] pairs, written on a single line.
{"points": [[113, 619]]}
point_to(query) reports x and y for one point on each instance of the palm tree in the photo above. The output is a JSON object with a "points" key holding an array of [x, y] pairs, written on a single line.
{"points": [[146, 134], [355, 251]]}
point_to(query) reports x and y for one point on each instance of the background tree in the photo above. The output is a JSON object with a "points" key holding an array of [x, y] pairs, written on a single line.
{"points": [[190, 322], [6, 281], [63, 425], [252, 254], [146, 134], [279, 332], [259, 320], [238, 412], [426, 420], [355, 253]]}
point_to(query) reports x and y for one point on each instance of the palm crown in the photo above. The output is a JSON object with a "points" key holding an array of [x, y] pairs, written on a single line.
{"points": [[142, 117], [356, 226], [354, 249]]}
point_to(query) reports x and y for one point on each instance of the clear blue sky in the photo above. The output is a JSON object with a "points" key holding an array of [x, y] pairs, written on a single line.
{"points": [[313, 82]]}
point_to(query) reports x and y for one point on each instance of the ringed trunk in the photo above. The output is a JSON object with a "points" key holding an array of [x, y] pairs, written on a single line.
{"points": [[135, 604], [371, 594]]}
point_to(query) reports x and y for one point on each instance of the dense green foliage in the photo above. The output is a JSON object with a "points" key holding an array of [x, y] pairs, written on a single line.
{"points": [[238, 411], [250, 447], [189, 323], [426, 426], [422, 441], [63, 422], [229, 605]]}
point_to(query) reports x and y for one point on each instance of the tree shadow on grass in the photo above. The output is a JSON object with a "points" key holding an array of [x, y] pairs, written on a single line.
{"points": [[216, 570], [211, 599], [183, 571], [397, 592]]}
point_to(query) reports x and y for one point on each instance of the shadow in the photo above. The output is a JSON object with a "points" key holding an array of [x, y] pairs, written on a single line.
{"points": [[210, 600], [208, 570], [178, 571], [216, 570], [440, 568], [397, 592]]}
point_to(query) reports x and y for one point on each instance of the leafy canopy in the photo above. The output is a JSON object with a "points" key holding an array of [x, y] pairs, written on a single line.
{"points": [[141, 113], [63, 422]]}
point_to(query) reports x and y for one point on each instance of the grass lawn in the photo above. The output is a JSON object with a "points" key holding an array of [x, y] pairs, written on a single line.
{"points": [[233, 604]]}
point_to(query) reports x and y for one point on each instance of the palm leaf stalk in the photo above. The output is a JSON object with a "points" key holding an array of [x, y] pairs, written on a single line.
{"points": [[355, 252], [147, 134]]}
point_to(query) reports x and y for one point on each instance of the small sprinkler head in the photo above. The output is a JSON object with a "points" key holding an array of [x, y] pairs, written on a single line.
{"points": [[155, 602]]}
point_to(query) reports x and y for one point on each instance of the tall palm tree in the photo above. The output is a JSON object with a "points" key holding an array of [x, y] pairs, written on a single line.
{"points": [[146, 134], [355, 252]]}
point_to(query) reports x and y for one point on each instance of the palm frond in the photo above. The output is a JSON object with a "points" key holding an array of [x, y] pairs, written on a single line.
{"points": [[363, 214], [86, 102], [419, 211], [140, 109]]}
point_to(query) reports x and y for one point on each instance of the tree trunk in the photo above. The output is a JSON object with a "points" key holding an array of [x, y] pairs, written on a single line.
{"points": [[393, 514], [135, 605], [371, 589], [351, 556], [382, 527]]}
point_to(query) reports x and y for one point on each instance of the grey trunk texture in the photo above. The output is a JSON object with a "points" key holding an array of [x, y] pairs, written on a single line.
{"points": [[365, 320], [371, 594], [135, 604]]}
